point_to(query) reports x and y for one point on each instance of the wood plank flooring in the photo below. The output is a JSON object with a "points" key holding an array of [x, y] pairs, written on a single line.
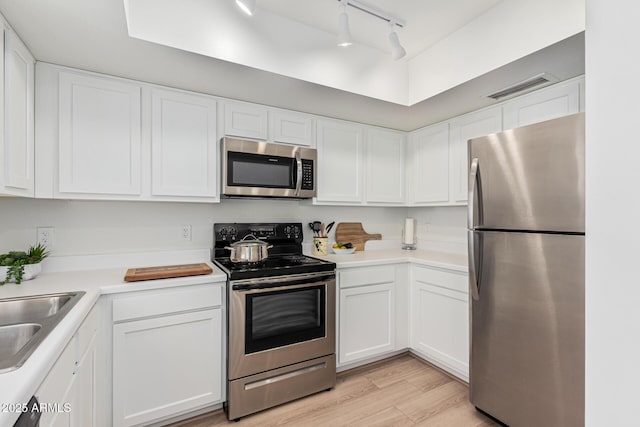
{"points": [[403, 391]]}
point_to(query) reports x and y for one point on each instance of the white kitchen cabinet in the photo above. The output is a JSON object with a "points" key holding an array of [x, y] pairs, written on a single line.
{"points": [[292, 128], [17, 160], [385, 155], [183, 145], [69, 387], [106, 138], [167, 353], [246, 121], [440, 318], [463, 128], [372, 312], [340, 163], [428, 166], [549, 103], [99, 139]]}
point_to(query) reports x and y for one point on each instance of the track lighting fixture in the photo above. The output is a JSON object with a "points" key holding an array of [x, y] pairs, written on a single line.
{"points": [[397, 51], [247, 6], [344, 36]]}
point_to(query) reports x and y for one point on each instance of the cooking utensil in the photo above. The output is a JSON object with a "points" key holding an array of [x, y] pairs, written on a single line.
{"points": [[254, 250], [330, 226], [315, 226], [322, 234]]}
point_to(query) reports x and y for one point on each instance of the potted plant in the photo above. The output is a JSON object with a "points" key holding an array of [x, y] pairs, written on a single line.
{"points": [[16, 266]]}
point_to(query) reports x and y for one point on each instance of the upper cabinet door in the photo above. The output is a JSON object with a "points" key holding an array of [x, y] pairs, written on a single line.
{"points": [[292, 128], [18, 165], [463, 128], [339, 162], [428, 162], [99, 136], [546, 104], [245, 121], [183, 145], [385, 166]]}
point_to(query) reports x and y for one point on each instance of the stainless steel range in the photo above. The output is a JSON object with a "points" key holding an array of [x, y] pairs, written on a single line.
{"points": [[281, 319]]}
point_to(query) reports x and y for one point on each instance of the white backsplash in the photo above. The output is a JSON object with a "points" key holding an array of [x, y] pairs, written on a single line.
{"points": [[84, 228], [442, 229], [106, 227]]}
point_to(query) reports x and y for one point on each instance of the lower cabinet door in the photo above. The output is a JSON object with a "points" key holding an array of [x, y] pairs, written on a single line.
{"points": [[440, 325], [84, 401], [166, 366], [367, 321]]}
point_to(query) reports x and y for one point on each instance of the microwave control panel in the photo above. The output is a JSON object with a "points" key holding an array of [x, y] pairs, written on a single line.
{"points": [[307, 174]]}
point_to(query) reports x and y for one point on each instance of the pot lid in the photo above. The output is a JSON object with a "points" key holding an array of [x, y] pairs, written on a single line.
{"points": [[253, 242]]}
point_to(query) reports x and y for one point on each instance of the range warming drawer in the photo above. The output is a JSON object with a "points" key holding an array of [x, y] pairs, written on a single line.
{"points": [[251, 394]]}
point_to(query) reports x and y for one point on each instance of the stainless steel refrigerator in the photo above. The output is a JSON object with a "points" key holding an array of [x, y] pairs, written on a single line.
{"points": [[526, 273]]}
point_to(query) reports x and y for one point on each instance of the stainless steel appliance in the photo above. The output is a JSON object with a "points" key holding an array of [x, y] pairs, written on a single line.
{"points": [[264, 169], [281, 319], [526, 273]]}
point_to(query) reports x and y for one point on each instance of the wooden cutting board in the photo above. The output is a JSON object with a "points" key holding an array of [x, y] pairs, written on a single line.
{"points": [[166, 272], [354, 233]]}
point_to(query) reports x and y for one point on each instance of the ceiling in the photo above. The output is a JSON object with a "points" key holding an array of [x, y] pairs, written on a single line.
{"points": [[95, 36]]}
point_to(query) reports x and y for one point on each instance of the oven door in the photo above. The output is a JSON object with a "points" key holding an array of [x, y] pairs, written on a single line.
{"points": [[279, 321]]}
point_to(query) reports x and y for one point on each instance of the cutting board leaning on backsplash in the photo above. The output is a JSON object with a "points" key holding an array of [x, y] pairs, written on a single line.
{"points": [[354, 233]]}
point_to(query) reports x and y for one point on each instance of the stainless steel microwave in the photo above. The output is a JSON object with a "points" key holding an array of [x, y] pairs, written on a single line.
{"points": [[264, 169]]}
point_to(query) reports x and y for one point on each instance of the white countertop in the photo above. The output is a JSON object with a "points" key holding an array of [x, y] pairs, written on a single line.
{"points": [[19, 385], [365, 258]]}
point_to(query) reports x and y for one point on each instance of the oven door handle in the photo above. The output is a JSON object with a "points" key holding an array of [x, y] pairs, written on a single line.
{"points": [[263, 286]]}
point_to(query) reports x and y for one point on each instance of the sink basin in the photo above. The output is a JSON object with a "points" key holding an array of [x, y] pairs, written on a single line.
{"points": [[25, 322], [13, 338], [30, 309]]}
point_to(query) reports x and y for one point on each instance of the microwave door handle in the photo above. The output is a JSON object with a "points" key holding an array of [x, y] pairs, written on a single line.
{"points": [[298, 173]]}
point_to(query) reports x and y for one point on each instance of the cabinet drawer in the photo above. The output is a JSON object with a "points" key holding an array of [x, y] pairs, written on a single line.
{"points": [[449, 280], [173, 300], [367, 276]]}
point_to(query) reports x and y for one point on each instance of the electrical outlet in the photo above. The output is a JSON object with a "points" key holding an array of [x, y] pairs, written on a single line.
{"points": [[45, 236], [186, 232]]}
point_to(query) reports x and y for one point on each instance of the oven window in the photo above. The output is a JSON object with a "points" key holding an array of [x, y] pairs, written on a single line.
{"points": [[280, 318], [258, 170]]}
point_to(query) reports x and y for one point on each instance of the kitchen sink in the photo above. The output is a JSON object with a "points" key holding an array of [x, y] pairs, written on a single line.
{"points": [[29, 309], [25, 322], [14, 337]]}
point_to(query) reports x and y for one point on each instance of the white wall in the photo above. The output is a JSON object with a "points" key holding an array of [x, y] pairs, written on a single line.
{"points": [[106, 227], [612, 213], [441, 228]]}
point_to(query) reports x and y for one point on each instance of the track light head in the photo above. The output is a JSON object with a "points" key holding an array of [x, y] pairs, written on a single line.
{"points": [[247, 6], [344, 36], [397, 51]]}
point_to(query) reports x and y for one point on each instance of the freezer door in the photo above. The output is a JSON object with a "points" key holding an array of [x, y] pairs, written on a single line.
{"points": [[530, 178], [527, 339]]}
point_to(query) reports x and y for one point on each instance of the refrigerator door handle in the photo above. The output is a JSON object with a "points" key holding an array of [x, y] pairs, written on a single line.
{"points": [[474, 187], [473, 273]]}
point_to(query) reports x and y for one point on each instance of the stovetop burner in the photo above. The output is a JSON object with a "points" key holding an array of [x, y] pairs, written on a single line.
{"points": [[284, 258]]}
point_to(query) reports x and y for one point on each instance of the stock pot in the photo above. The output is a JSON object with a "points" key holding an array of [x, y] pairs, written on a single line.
{"points": [[253, 250]]}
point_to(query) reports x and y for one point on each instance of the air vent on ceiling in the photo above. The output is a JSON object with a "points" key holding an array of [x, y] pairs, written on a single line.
{"points": [[542, 79]]}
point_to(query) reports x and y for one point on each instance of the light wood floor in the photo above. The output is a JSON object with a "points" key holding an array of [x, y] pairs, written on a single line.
{"points": [[403, 391]]}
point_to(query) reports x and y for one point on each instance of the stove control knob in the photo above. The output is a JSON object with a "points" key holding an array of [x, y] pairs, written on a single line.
{"points": [[296, 231], [223, 231]]}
